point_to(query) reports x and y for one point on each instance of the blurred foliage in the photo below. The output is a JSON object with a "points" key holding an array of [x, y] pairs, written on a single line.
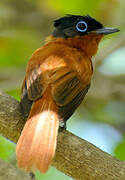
{"points": [[101, 118], [15, 93], [7, 149], [14, 49], [120, 150], [74, 7]]}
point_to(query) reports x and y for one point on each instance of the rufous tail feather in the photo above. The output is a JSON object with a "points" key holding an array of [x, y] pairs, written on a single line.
{"points": [[36, 146]]}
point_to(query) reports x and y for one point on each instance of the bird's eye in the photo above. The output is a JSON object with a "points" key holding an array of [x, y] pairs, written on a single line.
{"points": [[81, 26]]}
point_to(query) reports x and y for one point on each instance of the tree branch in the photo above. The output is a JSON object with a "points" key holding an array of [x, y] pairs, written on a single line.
{"points": [[74, 156], [9, 172]]}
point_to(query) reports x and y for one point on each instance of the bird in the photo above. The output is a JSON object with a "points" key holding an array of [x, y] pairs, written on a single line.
{"points": [[58, 76]]}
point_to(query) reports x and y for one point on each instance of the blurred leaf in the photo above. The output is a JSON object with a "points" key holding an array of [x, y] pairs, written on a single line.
{"points": [[120, 151], [7, 148], [15, 93]]}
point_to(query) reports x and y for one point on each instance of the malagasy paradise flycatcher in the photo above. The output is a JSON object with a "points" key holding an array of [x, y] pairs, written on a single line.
{"points": [[57, 79]]}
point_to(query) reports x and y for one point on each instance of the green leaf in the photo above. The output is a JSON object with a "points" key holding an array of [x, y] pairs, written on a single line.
{"points": [[120, 150], [15, 93], [7, 148]]}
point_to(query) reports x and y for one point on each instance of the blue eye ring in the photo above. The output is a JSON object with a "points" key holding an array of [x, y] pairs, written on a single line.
{"points": [[84, 23]]}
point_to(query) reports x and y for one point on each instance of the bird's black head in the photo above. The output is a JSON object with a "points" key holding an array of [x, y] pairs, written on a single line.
{"points": [[75, 25]]}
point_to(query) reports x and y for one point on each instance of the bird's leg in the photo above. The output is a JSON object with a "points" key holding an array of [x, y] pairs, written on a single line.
{"points": [[62, 126], [32, 176]]}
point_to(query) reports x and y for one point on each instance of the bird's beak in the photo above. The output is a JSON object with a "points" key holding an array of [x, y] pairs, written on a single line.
{"points": [[106, 30]]}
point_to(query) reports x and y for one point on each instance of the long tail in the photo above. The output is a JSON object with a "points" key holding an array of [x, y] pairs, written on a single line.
{"points": [[37, 143]]}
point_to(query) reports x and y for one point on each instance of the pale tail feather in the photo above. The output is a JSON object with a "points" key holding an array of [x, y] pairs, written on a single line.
{"points": [[37, 143]]}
